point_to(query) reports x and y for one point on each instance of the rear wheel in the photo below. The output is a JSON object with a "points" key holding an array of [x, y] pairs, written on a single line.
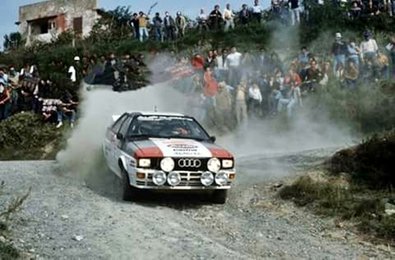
{"points": [[219, 196], [129, 193]]}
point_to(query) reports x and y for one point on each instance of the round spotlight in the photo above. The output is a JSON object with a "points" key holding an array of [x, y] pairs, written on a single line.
{"points": [[167, 164], [214, 165], [174, 178], [207, 178], [159, 178], [221, 178]]}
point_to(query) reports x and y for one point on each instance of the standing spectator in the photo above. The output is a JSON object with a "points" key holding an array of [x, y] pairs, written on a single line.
{"points": [[5, 100], [134, 23], [223, 107], [353, 52], [233, 63], [143, 23], [257, 11], [221, 67], [72, 71], [170, 27], [244, 15], [295, 12], [157, 23], [210, 87], [368, 48], [303, 57], [391, 48], [202, 21], [181, 24], [255, 100], [229, 18], [210, 60], [215, 18], [339, 51], [241, 105]]}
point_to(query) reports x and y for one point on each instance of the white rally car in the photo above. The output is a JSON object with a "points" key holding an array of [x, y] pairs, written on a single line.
{"points": [[166, 152]]}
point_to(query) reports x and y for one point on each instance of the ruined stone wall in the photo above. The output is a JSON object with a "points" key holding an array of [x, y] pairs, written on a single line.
{"points": [[64, 10]]}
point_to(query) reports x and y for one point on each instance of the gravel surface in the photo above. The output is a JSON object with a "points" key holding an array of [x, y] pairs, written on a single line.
{"points": [[66, 218]]}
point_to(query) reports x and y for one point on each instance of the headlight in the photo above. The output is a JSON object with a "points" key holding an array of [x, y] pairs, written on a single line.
{"points": [[145, 163], [207, 178], [167, 164], [174, 178], [227, 164], [159, 178], [221, 178], [214, 165]]}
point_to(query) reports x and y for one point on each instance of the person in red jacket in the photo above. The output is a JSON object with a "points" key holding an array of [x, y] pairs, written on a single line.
{"points": [[198, 62], [210, 87]]}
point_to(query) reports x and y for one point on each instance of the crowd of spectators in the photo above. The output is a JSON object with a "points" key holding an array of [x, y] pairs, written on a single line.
{"points": [[226, 84], [24, 91], [169, 28]]}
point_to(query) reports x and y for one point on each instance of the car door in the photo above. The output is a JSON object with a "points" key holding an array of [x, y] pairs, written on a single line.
{"points": [[111, 140], [119, 144]]}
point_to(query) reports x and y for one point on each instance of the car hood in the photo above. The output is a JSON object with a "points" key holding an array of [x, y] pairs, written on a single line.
{"points": [[161, 147]]}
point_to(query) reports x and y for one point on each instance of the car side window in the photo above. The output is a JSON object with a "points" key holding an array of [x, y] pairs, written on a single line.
{"points": [[125, 126], [115, 128]]}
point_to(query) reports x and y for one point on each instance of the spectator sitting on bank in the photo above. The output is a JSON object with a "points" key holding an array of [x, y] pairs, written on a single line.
{"points": [[66, 109]]}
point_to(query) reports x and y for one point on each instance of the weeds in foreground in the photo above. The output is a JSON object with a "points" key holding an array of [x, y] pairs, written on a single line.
{"points": [[330, 197], [7, 251]]}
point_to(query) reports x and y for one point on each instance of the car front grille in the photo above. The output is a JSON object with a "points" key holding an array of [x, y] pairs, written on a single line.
{"points": [[184, 164]]}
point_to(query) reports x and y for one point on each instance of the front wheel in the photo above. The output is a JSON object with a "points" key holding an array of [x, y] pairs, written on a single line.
{"points": [[129, 193], [219, 196]]}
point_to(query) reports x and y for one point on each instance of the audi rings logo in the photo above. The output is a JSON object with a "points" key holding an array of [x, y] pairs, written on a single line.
{"points": [[189, 163]]}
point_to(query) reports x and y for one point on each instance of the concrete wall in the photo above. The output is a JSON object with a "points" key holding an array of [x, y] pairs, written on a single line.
{"points": [[64, 11]]}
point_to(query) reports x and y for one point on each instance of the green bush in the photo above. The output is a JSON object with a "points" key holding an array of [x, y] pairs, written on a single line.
{"points": [[24, 136]]}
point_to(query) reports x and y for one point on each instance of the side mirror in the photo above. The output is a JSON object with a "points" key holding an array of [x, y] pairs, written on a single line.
{"points": [[212, 139], [119, 136]]}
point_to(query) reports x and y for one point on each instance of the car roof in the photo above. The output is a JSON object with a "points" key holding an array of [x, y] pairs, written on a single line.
{"points": [[156, 113]]}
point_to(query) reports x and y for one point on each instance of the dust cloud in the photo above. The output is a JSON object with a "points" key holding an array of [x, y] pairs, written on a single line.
{"points": [[256, 140]]}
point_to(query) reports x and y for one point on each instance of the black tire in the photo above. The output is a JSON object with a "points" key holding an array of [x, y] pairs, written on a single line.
{"points": [[219, 196], [129, 193]]}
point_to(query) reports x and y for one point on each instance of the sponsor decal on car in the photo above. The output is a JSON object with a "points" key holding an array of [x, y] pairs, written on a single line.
{"points": [[181, 148]]}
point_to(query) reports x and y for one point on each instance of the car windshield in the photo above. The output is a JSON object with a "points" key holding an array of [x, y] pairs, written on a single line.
{"points": [[145, 126]]}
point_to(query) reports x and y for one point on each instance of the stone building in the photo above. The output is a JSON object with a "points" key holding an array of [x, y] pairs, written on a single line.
{"points": [[44, 21]]}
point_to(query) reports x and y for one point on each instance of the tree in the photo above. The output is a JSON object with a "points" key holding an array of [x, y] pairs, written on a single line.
{"points": [[12, 41]]}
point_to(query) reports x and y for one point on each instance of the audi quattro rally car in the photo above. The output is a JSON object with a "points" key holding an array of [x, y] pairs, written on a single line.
{"points": [[164, 151]]}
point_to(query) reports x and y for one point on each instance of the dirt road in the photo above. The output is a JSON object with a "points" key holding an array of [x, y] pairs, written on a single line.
{"points": [[66, 218]]}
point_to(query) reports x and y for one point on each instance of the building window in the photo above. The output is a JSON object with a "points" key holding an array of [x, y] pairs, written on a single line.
{"points": [[77, 25], [42, 25]]}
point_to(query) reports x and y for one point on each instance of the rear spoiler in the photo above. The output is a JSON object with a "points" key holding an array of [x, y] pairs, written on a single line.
{"points": [[115, 117]]}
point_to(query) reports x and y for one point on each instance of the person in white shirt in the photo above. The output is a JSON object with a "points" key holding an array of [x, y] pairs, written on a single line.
{"points": [[368, 48], [229, 18], [202, 20], [233, 62], [255, 100], [257, 11], [72, 71]]}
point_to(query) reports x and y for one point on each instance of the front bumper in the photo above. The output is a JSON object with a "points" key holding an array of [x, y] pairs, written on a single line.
{"points": [[190, 180]]}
